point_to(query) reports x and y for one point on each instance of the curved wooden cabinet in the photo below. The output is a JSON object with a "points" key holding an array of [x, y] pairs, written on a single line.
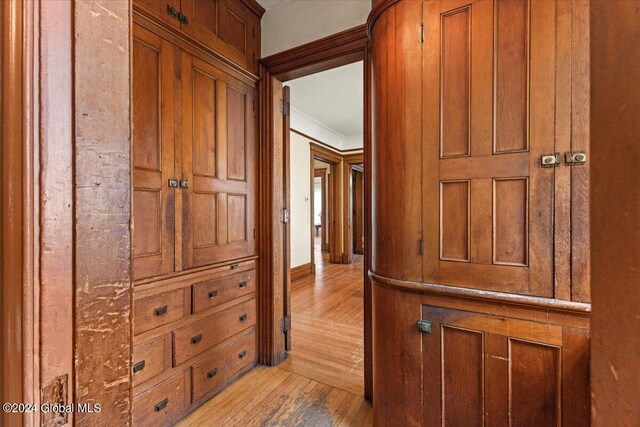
{"points": [[476, 233]]}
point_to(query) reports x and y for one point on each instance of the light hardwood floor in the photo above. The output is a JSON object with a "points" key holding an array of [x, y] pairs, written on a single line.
{"points": [[321, 382]]}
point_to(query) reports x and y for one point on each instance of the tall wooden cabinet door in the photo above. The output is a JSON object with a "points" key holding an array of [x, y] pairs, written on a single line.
{"points": [[218, 161], [488, 93], [166, 11], [240, 29], [480, 369], [153, 154]]}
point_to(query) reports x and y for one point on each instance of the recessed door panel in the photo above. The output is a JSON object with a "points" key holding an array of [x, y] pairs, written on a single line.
{"points": [[153, 157]]}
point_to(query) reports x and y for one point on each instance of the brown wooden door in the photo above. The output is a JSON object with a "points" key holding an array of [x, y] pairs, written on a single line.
{"points": [[160, 10], [488, 85], [153, 154], [204, 17], [286, 132], [218, 144], [487, 370]]}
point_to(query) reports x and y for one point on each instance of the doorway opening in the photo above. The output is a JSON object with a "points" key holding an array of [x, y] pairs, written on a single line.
{"points": [[326, 230]]}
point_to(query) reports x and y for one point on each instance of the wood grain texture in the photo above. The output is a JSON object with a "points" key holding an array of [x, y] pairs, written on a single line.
{"points": [[102, 209], [614, 211]]}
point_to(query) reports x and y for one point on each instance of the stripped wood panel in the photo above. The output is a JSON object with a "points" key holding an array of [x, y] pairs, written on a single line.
{"points": [[321, 382]]}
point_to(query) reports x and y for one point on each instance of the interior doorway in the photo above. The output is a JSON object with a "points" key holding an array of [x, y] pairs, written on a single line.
{"points": [[326, 201], [321, 55]]}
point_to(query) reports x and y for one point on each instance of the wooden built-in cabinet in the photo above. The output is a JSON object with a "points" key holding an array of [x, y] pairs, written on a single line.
{"points": [[229, 27], [480, 264], [194, 202]]}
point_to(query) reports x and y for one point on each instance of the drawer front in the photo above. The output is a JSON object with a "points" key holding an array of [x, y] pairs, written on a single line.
{"points": [[214, 292], [215, 370], [148, 360], [200, 336], [158, 404], [158, 310]]}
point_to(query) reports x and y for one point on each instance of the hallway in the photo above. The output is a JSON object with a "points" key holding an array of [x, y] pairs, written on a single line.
{"points": [[321, 382]]}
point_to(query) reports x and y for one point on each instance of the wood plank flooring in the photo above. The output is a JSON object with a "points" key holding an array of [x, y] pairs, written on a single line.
{"points": [[321, 382]]}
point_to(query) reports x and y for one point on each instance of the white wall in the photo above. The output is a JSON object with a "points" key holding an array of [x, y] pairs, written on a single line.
{"points": [[296, 22], [300, 200], [308, 126]]}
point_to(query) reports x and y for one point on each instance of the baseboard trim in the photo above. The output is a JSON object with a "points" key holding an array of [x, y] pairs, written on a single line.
{"points": [[301, 271]]}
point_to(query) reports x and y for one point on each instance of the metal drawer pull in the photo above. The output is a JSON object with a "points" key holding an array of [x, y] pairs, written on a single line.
{"points": [[184, 183], [196, 339], [173, 183], [138, 366], [161, 405], [242, 285], [160, 310], [243, 317], [242, 354], [213, 294], [212, 373], [234, 266]]}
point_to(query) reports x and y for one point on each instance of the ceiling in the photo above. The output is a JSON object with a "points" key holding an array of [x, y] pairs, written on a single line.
{"points": [[334, 98], [269, 4]]}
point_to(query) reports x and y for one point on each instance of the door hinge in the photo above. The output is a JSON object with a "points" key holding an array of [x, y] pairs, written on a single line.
{"points": [[421, 246], [285, 107], [284, 216], [421, 33], [254, 105], [285, 324]]}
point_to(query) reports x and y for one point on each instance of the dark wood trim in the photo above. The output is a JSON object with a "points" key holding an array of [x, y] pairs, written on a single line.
{"points": [[301, 271], [330, 52], [317, 141], [379, 6], [368, 162], [324, 224], [318, 152], [324, 54], [347, 213], [614, 211], [254, 7], [575, 308]]}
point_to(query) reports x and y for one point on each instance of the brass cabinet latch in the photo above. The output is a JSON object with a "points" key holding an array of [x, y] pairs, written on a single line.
{"points": [[550, 160], [575, 158]]}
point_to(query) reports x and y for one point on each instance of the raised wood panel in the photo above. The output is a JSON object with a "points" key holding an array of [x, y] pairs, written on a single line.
{"points": [[205, 217], [203, 18], [510, 221], [237, 218], [236, 134], [461, 371], [147, 152], [153, 156], [456, 82], [217, 159], [510, 197], [204, 124], [512, 66], [147, 235], [158, 9], [480, 369], [534, 384], [454, 220]]}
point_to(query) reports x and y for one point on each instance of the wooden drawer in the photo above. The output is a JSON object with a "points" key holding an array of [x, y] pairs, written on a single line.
{"points": [[158, 404], [148, 360], [215, 370], [214, 292], [204, 334], [158, 310]]}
